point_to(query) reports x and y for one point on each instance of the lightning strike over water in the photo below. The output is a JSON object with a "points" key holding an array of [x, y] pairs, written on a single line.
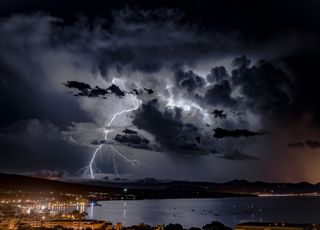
{"points": [[115, 151]]}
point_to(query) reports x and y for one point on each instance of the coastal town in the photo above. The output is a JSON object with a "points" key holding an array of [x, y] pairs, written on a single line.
{"points": [[33, 203], [36, 215], [51, 210]]}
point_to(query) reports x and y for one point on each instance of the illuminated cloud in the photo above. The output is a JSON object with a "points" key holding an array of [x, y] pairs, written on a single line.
{"points": [[207, 82]]}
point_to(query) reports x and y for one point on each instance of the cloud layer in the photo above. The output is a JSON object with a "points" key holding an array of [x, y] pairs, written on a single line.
{"points": [[206, 91]]}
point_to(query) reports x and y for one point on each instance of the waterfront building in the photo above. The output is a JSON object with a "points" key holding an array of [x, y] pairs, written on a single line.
{"points": [[65, 223], [118, 226], [276, 226]]}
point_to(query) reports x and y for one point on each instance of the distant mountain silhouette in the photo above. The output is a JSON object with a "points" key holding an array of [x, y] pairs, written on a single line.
{"points": [[155, 189]]}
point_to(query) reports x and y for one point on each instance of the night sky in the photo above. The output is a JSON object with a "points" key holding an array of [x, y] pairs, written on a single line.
{"points": [[214, 90]]}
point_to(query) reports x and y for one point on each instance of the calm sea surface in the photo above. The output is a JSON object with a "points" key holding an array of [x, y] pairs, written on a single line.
{"points": [[198, 212]]}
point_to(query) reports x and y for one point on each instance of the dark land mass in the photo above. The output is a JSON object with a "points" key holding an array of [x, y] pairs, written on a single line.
{"points": [[239, 187], [19, 183], [150, 188]]}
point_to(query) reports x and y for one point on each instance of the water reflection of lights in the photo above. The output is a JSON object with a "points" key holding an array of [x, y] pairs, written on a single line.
{"points": [[91, 210], [49, 208], [124, 213]]}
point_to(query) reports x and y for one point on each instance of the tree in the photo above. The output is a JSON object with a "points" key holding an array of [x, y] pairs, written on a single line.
{"points": [[173, 227], [215, 225], [75, 212], [82, 215]]}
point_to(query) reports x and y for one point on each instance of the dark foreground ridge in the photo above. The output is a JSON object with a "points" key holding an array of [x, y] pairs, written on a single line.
{"points": [[150, 188], [137, 190]]}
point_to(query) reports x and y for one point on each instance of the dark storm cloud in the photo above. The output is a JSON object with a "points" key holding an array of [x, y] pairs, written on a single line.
{"points": [[239, 15], [296, 145], [218, 74], [188, 80], [266, 87], [177, 43], [314, 144], [77, 85], [132, 40], [143, 91], [133, 34], [183, 143], [133, 139], [242, 62], [135, 91], [167, 127], [95, 92], [219, 114], [114, 89], [86, 90], [237, 155], [149, 91], [27, 90], [34, 145], [129, 138], [220, 94], [222, 133], [129, 131], [146, 43], [262, 87], [164, 126]]}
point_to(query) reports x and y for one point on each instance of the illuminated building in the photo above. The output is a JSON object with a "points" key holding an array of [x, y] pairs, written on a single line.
{"points": [[276, 226]]}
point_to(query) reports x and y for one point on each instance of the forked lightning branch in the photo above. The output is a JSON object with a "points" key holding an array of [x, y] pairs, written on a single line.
{"points": [[115, 152]]}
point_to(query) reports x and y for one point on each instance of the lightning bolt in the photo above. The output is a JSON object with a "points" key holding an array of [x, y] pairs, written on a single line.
{"points": [[115, 151]]}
